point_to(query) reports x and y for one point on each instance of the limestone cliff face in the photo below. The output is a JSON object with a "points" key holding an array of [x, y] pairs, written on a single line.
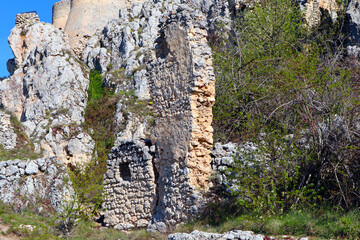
{"points": [[41, 182], [159, 168], [47, 91]]}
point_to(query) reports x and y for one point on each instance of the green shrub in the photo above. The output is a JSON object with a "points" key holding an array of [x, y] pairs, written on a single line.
{"points": [[285, 87]]}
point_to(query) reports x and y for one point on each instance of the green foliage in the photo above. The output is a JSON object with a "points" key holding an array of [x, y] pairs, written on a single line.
{"points": [[14, 221], [287, 89], [88, 185], [96, 89], [100, 123]]}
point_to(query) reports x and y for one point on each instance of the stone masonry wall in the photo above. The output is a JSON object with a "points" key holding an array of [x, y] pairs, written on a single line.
{"points": [[60, 13], [201, 101], [40, 182], [26, 19], [130, 185], [182, 82]]}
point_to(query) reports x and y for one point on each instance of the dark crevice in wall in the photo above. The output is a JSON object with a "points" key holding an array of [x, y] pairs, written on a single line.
{"points": [[125, 172], [156, 174]]}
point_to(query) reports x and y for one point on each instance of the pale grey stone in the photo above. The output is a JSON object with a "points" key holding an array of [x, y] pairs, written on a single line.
{"points": [[142, 90], [31, 168], [13, 170], [3, 182], [22, 164]]}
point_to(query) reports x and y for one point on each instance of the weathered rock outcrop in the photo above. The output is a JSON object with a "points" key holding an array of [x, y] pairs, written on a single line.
{"points": [[42, 182], [318, 10], [314, 10], [47, 91]]}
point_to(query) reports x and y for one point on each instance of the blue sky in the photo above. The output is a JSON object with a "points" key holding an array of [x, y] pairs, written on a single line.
{"points": [[7, 22]]}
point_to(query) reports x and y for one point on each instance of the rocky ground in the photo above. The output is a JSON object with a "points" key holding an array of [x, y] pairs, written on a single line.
{"points": [[231, 235], [4, 228]]}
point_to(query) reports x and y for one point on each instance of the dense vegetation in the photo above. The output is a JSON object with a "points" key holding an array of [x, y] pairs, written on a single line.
{"points": [[291, 90]]}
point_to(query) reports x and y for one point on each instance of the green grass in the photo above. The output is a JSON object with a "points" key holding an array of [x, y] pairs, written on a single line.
{"points": [[46, 228], [24, 152], [14, 220], [320, 224]]}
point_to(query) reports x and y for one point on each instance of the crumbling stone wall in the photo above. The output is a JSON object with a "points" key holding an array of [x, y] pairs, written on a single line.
{"points": [[130, 185], [181, 82], [8, 136], [60, 13], [23, 19], [201, 101], [39, 182], [352, 28]]}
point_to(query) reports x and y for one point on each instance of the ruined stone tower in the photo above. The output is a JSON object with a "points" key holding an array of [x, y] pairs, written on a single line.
{"points": [[61, 12]]}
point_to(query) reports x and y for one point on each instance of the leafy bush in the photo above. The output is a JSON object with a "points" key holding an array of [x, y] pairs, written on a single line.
{"points": [[287, 88]]}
